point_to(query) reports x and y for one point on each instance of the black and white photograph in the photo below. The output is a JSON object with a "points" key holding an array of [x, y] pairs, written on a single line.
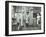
{"points": [[25, 18]]}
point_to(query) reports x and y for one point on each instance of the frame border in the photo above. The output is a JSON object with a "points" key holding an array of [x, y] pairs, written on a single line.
{"points": [[7, 16]]}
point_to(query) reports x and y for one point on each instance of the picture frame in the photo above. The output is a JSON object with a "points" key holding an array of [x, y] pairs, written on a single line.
{"points": [[17, 9]]}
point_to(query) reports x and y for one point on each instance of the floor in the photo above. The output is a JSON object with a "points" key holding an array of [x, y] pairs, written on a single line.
{"points": [[15, 28]]}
